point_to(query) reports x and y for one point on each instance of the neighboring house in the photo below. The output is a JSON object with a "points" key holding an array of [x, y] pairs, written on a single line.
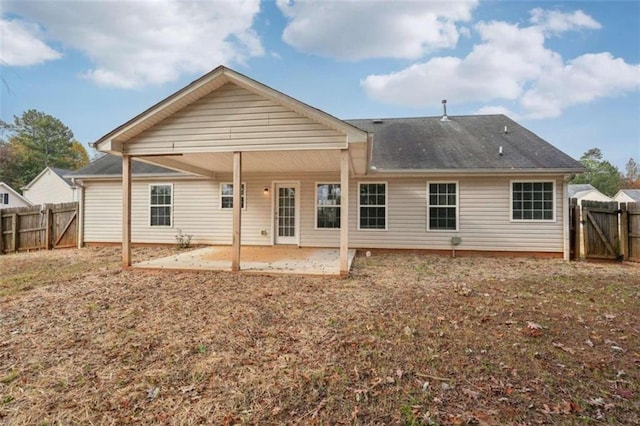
{"points": [[586, 191], [311, 179], [627, 196], [52, 187], [9, 197]]}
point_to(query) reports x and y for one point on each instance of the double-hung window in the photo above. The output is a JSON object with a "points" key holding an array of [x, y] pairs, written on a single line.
{"points": [[160, 204], [226, 195], [532, 201], [4, 198], [328, 205], [442, 206], [372, 206]]}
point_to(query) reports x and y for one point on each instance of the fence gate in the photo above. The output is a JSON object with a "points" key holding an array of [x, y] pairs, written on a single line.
{"points": [[601, 230], [40, 227]]}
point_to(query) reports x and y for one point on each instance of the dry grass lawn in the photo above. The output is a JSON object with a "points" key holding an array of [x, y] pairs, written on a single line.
{"points": [[408, 339]]}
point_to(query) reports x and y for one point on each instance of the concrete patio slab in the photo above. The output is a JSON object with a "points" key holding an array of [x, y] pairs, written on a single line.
{"points": [[256, 259]]}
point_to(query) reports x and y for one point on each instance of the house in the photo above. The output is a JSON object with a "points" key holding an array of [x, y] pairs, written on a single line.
{"points": [[627, 196], [477, 183], [586, 191], [9, 197], [51, 186]]}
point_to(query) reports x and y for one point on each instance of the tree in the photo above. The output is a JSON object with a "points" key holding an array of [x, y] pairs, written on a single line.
{"points": [[37, 140], [600, 173], [632, 175]]}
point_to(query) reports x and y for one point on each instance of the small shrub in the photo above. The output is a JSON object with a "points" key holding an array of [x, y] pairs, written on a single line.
{"points": [[183, 240]]}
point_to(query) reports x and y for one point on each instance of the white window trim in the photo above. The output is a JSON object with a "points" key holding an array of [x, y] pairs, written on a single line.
{"points": [[386, 206], [457, 206], [243, 184], [315, 196], [2, 197], [161, 205], [553, 200]]}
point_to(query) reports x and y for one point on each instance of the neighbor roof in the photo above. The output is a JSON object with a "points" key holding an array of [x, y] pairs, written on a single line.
{"points": [[576, 188], [465, 143], [62, 173], [633, 193], [110, 165]]}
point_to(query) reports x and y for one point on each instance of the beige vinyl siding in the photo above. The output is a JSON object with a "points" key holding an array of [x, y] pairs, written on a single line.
{"points": [[50, 188], [484, 219], [484, 214], [232, 118]]}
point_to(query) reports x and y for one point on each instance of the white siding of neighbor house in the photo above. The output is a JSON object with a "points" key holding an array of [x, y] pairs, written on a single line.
{"points": [[232, 118], [50, 188], [484, 214]]}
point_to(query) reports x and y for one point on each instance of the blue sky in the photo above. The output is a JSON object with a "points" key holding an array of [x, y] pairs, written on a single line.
{"points": [[567, 70]]}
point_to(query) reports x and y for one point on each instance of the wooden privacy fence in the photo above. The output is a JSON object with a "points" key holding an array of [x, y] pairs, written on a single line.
{"points": [[40, 227], [610, 230]]}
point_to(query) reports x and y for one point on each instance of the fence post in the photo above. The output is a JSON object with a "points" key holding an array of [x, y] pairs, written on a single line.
{"points": [[48, 234], [575, 229], [14, 232], [624, 231]]}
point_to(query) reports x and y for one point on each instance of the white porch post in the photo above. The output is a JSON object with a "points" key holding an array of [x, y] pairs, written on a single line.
{"points": [[126, 211], [344, 212], [237, 209]]}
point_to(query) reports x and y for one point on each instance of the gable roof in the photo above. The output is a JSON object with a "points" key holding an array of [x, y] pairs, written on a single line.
{"points": [[61, 173], [631, 193], [111, 165], [207, 84], [462, 143], [6, 187]]}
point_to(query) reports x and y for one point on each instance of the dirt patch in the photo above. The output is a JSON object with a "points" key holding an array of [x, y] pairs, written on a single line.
{"points": [[409, 339]]}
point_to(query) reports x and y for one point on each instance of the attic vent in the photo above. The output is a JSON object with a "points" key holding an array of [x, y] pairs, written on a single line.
{"points": [[444, 106], [377, 121]]}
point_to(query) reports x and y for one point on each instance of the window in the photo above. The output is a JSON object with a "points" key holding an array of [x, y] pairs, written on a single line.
{"points": [[4, 198], [327, 205], [226, 195], [442, 206], [160, 203], [532, 201], [372, 206]]}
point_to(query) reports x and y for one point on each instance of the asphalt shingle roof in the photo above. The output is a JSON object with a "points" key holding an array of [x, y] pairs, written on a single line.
{"points": [[460, 143], [575, 188], [633, 193], [110, 165], [62, 173]]}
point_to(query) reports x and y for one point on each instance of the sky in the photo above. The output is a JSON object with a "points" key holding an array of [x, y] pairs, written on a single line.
{"points": [[567, 70]]}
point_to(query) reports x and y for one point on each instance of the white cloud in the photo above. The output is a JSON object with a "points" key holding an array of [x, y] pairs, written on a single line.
{"points": [[582, 80], [138, 43], [511, 63], [554, 21], [21, 46], [356, 30]]}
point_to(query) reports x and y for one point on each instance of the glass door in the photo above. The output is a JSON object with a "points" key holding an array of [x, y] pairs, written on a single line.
{"points": [[286, 214]]}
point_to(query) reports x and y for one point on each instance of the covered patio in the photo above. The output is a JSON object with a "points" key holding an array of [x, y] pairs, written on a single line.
{"points": [[256, 259], [226, 127]]}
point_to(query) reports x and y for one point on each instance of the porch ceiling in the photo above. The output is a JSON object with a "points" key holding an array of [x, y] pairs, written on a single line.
{"points": [[208, 164]]}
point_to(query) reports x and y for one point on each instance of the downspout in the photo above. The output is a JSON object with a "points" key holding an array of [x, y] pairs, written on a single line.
{"points": [[80, 187]]}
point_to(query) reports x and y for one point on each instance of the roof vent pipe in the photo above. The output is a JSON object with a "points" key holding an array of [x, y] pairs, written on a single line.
{"points": [[506, 130], [444, 105]]}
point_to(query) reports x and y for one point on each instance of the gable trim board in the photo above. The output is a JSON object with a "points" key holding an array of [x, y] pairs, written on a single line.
{"points": [[223, 116]]}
